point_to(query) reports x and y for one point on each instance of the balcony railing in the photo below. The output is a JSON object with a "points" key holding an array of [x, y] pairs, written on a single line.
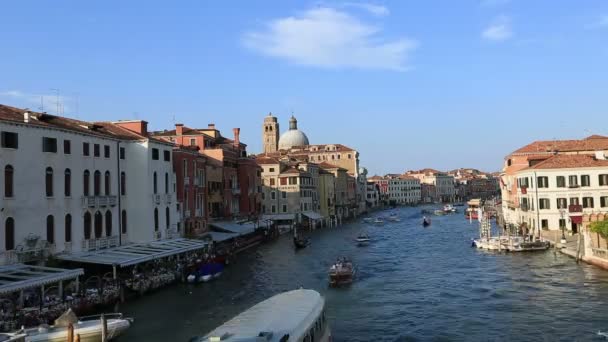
{"points": [[99, 201], [157, 235], [199, 212], [186, 213], [40, 252], [88, 202], [156, 199], [102, 201], [236, 191], [8, 257], [112, 200], [172, 232], [168, 198], [600, 253], [100, 243], [186, 180]]}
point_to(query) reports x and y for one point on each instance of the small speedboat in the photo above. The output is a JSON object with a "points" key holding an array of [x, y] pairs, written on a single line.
{"points": [[363, 240], [206, 272], [341, 273], [368, 219], [448, 209], [89, 328], [394, 218], [379, 222]]}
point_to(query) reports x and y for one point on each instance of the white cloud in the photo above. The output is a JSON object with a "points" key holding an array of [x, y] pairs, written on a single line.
{"points": [[499, 30], [377, 10], [491, 3], [37, 102], [330, 38], [602, 22]]}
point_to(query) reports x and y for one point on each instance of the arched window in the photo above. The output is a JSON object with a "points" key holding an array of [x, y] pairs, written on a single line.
{"points": [[97, 183], [49, 182], [106, 183], [155, 219], [50, 229], [108, 223], [68, 228], [67, 187], [98, 224], [8, 181], [86, 181], [155, 185], [123, 183], [167, 217], [123, 222], [9, 234], [166, 182], [87, 225]]}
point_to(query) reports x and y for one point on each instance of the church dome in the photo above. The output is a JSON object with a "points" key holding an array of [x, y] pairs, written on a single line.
{"points": [[293, 137]]}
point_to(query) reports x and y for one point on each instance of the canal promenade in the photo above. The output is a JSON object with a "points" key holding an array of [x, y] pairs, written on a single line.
{"points": [[412, 284]]}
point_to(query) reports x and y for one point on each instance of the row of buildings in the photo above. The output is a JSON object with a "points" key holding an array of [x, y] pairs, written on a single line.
{"points": [[432, 186]]}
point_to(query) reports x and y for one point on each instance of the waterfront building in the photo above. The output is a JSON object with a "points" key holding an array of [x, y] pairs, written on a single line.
{"points": [[71, 186], [341, 183], [443, 184], [555, 193], [532, 154], [383, 186], [373, 195], [472, 183], [327, 195], [191, 189], [399, 189]]}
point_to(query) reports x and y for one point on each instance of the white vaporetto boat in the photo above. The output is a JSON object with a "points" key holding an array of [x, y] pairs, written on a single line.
{"points": [[297, 315], [89, 329]]}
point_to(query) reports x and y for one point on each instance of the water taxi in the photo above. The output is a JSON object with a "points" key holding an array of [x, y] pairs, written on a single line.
{"points": [[297, 315], [363, 239], [341, 273], [448, 209]]}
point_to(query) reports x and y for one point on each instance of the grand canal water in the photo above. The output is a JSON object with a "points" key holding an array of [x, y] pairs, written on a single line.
{"points": [[414, 284]]}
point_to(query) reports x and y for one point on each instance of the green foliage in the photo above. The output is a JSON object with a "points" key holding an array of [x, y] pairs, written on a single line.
{"points": [[600, 227]]}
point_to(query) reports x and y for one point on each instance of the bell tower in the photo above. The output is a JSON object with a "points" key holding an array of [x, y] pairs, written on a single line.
{"points": [[270, 134]]}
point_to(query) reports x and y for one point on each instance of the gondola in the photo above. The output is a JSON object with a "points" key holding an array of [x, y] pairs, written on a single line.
{"points": [[426, 222], [300, 243]]}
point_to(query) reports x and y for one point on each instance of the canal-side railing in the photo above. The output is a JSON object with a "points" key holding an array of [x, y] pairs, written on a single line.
{"points": [[600, 252]]}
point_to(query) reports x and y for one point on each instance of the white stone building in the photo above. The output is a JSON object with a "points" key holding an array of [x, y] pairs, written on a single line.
{"points": [[61, 184]]}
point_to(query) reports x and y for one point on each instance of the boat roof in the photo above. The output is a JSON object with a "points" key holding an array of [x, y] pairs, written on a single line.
{"points": [[286, 313], [18, 277]]}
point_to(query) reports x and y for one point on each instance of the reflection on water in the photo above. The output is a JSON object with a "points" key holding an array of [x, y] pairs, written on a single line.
{"points": [[412, 284]]}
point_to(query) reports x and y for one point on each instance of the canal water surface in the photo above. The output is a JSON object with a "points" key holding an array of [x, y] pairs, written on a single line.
{"points": [[413, 284]]}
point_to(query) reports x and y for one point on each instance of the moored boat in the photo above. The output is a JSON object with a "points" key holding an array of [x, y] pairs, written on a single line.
{"points": [[448, 209], [394, 218], [297, 315], [363, 239], [89, 328], [379, 222], [341, 273]]}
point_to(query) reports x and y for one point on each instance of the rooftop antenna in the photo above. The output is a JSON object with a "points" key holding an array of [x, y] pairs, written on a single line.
{"points": [[57, 95], [42, 103]]}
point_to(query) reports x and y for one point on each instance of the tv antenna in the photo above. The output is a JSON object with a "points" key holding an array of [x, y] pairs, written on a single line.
{"points": [[57, 99]]}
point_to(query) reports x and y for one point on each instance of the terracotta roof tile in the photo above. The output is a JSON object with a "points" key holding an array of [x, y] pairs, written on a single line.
{"points": [[561, 161], [266, 160], [550, 146]]}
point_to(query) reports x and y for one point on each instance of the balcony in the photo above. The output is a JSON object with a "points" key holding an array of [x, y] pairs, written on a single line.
{"points": [[102, 201], [156, 199], [186, 181], [574, 186], [100, 243], [88, 202], [236, 191], [199, 212], [168, 198], [112, 200], [8, 257], [186, 213], [42, 250], [172, 232]]}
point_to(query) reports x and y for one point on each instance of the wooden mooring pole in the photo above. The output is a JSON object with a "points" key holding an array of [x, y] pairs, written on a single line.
{"points": [[70, 332], [104, 328]]}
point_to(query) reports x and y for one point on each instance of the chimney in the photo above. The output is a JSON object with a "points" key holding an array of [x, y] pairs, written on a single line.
{"points": [[211, 126], [138, 126], [237, 133], [600, 155], [179, 129], [26, 117]]}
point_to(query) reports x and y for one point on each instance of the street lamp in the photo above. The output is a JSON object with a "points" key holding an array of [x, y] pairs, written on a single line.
{"points": [[562, 223]]}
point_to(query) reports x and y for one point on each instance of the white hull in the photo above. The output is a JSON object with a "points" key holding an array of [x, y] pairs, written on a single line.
{"points": [[90, 333], [205, 278]]}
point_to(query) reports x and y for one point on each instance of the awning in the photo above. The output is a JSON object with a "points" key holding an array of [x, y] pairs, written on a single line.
{"points": [[576, 219], [20, 277], [134, 254], [312, 215], [219, 236], [234, 227], [279, 217]]}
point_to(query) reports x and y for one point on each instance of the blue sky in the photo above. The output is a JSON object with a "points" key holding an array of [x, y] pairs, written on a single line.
{"points": [[410, 84]]}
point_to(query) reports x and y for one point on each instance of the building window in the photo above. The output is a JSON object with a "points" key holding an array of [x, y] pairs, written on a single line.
{"points": [[106, 183], [68, 228], [272, 182], [50, 229], [272, 195], [603, 179], [283, 180], [271, 169], [9, 140], [8, 181], [273, 209], [106, 151], [96, 150], [49, 145], [108, 223], [573, 181], [9, 234], [166, 182], [155, 219], [587, 202], [562, 203], [67, 147], [154, 154], [67, 183], [167, 218], [167, 155], [604, 201], [544, 224], [562, 223], [155, 185], [293, 180], [87, 225], [49, 182], [123, 183], [284, 208], [85, 149], [283, 194], [574, 201], [85, 182], [543, 182], [122, 153], [585, 180], [97, 183], [98, 225], [123, 222], [561, 181], [543, 203], [192, 142]]}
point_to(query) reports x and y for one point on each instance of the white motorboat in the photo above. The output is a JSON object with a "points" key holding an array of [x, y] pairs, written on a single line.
{"points": [[89, 328], [379, 222], [368, 219], [297, 315], [448, 209], [363, 240], [394, 218]]}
